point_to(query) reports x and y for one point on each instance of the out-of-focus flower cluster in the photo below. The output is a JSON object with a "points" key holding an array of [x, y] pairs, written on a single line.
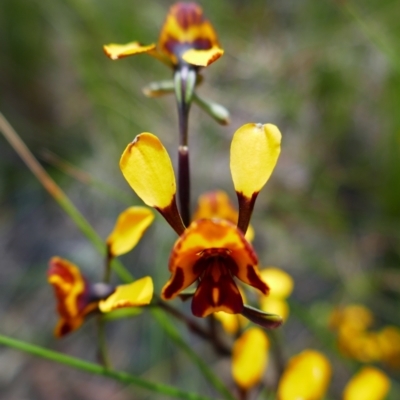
{"points": [[357, 340], [308, 374]]}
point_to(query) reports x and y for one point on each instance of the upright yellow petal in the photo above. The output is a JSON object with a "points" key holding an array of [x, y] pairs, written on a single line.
{"points": [[129, 228], [250, 358], [138, 293], [116, 51], [368, 384], [255, 150], [306, 377], [202, 58], [147, 167]]}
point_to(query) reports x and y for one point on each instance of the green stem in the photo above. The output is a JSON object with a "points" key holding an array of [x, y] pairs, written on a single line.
{"points": [[171, 331], [58, 194], [102, 343], [61, 198], [86, 366]]}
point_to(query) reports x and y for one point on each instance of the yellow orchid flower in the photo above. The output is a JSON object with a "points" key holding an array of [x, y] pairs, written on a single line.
{"points": [[306, 377], [77, 298], [368, 384], [250, 358], [210, 251], [186, 38]]}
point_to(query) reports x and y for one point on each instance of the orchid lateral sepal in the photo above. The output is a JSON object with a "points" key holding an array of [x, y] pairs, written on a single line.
{"points": [[261, 318], [187, 294], [218, 112], [159, 88]]}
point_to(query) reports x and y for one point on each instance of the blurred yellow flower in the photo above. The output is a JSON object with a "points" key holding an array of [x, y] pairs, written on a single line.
{"points": [[356, 316], [281, 286], [186, 37], [368, 384], [355, 340], [306, 377], [250, 358], [389, 343]]}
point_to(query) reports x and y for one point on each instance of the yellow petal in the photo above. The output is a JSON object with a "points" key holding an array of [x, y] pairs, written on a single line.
{"points": [[202, 58], [389, 343], [147, 167], [368, 384], [130, 226], [255, 150], [356, 316], [306, 377], [116, 51], [250, 358], [280, 283], [138, 293]]}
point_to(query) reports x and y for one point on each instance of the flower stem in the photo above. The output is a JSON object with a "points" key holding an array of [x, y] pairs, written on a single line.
{"points": [[58, 194], [219, 347], [203, 367], [102, 343], [96, 369], [184, 80]]}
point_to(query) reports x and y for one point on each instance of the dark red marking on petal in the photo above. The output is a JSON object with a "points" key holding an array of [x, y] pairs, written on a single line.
{"points": [[201, 44], [217, 290], [64, 329], [188, 14], [175, 285], [246, 206], [255, 280]]}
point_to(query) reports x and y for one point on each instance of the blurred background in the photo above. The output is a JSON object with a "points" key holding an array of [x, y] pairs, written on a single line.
{"points": [[327, 73]]}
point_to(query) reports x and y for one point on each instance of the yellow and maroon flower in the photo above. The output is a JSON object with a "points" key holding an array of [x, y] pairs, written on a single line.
{"points": [[186, 38], [210, 251], [213, 251], [77, 298]]}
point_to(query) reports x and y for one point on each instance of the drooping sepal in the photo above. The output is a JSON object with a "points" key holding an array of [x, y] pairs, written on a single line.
{"points": [[160, 88], [261, 318], [214, 110]]}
